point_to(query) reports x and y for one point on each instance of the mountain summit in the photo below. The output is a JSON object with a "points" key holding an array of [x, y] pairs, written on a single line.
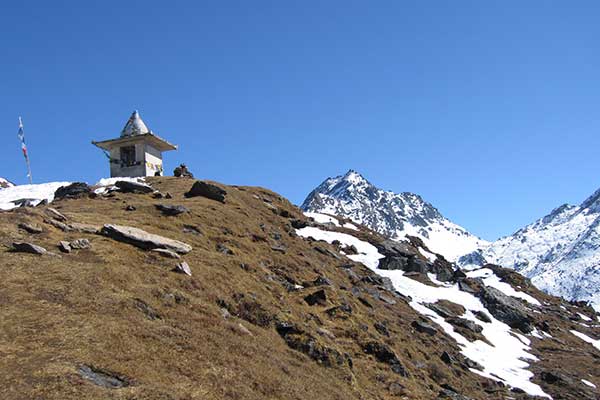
{"points": [[391, 214]]}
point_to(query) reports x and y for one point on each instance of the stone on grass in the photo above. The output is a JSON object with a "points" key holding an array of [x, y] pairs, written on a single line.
{"points": [[84, 228], [133, 187], [33, 229], [64, 246], [319, 297], [80, 244], [207, 190], [424, 327], [24, 247], [183, 268], [72, 191], [171, 210], [55, 214], [143, 239]]}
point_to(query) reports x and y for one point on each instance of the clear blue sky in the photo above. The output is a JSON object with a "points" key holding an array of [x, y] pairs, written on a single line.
{"points": [[488, 109]]}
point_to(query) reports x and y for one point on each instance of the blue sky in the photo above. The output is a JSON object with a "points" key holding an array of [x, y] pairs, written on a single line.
{"points": [[489, 110]]}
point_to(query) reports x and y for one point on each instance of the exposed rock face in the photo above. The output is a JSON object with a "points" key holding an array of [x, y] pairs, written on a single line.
{"points": [[207, 190], [384, 354], [33, 229], [143, 239], [507, 309], [102, 377], [72, 191], [133, 187]]}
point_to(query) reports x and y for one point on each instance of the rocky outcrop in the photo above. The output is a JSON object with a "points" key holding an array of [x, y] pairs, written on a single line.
{"points": [[72, 191], [143, 239], [507, 309], [133, 187], [24, 247]]}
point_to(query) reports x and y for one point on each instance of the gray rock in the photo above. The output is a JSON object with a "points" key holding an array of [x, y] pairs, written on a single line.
{"points": [[171, 210], [424, 327], [465, 323], [57, 224], [167, 253], [383, 353], [393, 263], [482, 316], [103, 378], [55, 214], [506, 309], [133, 187], [84, 228], [24, 247], [207, 190], [30, 228], [80, 244], [183, 268], [319, 297], [143, 239], [64, 246]]}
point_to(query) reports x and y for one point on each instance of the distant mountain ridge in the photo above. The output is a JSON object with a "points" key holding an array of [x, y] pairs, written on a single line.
{"points": [[391, 214], [559, 252]]}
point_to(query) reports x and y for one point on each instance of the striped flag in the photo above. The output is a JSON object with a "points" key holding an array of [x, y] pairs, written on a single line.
{"points": [[21, 136]]}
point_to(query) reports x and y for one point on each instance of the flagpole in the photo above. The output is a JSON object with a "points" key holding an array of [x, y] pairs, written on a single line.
{"points": [[21, 136]]}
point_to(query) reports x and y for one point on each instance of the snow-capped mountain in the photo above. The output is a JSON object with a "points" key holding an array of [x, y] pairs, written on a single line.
{"points": [[559, 252], [393, 215], [5, 183]]}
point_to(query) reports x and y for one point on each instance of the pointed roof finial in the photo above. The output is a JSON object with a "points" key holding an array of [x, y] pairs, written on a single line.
{"points": [[135, 126]]}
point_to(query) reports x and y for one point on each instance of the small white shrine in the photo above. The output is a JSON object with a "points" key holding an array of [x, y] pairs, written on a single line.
{"points": [[138, 152]]}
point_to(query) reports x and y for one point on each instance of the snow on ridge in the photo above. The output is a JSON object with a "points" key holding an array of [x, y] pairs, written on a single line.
{"points": [[491, 279], [505, 360], [586, 338]]}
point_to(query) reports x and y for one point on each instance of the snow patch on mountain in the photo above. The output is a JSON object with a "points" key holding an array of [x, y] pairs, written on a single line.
{"points": [[393, 215]]}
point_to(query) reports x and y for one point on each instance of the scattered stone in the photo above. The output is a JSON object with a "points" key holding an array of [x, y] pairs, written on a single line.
{"points": [[451, 395], [103, 378], [130, 208], [393, 263], [168, 195], [303, 342], [424, 327], [182, 171], [381, 328], [280, 249], [480, 315], [25, 202], [319, 297], [183, 268], [396, 389], [133, 187], [239, 328], [194, 230], [30, 228], [299, 224], [72, 191], [57, 224], [148, 311], [447, 358], [342, 311], [385, 354], [225, 313], [80, 244], [84, 228], [207, 190], [326, 333], [440, 310], [64, 246], [221, 248], [465, 323], [24, 247], [171, 210], [143, 239], [167, 253], [157, 195], [55, 214], [327, 252]]}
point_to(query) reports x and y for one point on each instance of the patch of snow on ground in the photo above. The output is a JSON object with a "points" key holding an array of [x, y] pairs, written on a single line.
{"points": [[491, 279], [586, 338], [44, 191], [322, 218], [106, 184], [504, 360], [348, 225], [590, 384], [584, 317]]}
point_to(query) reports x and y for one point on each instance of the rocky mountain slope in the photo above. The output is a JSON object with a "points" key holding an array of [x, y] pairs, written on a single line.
{"points": [[180, 289], [393, 215], [559, 252]]}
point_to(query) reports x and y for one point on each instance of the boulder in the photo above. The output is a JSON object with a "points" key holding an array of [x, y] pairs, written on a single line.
{"points": [[143, 239], [84, 228], [80, 244], [505, 308], [72, 191], [393, 263], [465, 323], [30, 228], [55, 214], [208, 190], [64, 246], [24, 247], [319, 297], [383, 353], [133, 187], [171, 210]]}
